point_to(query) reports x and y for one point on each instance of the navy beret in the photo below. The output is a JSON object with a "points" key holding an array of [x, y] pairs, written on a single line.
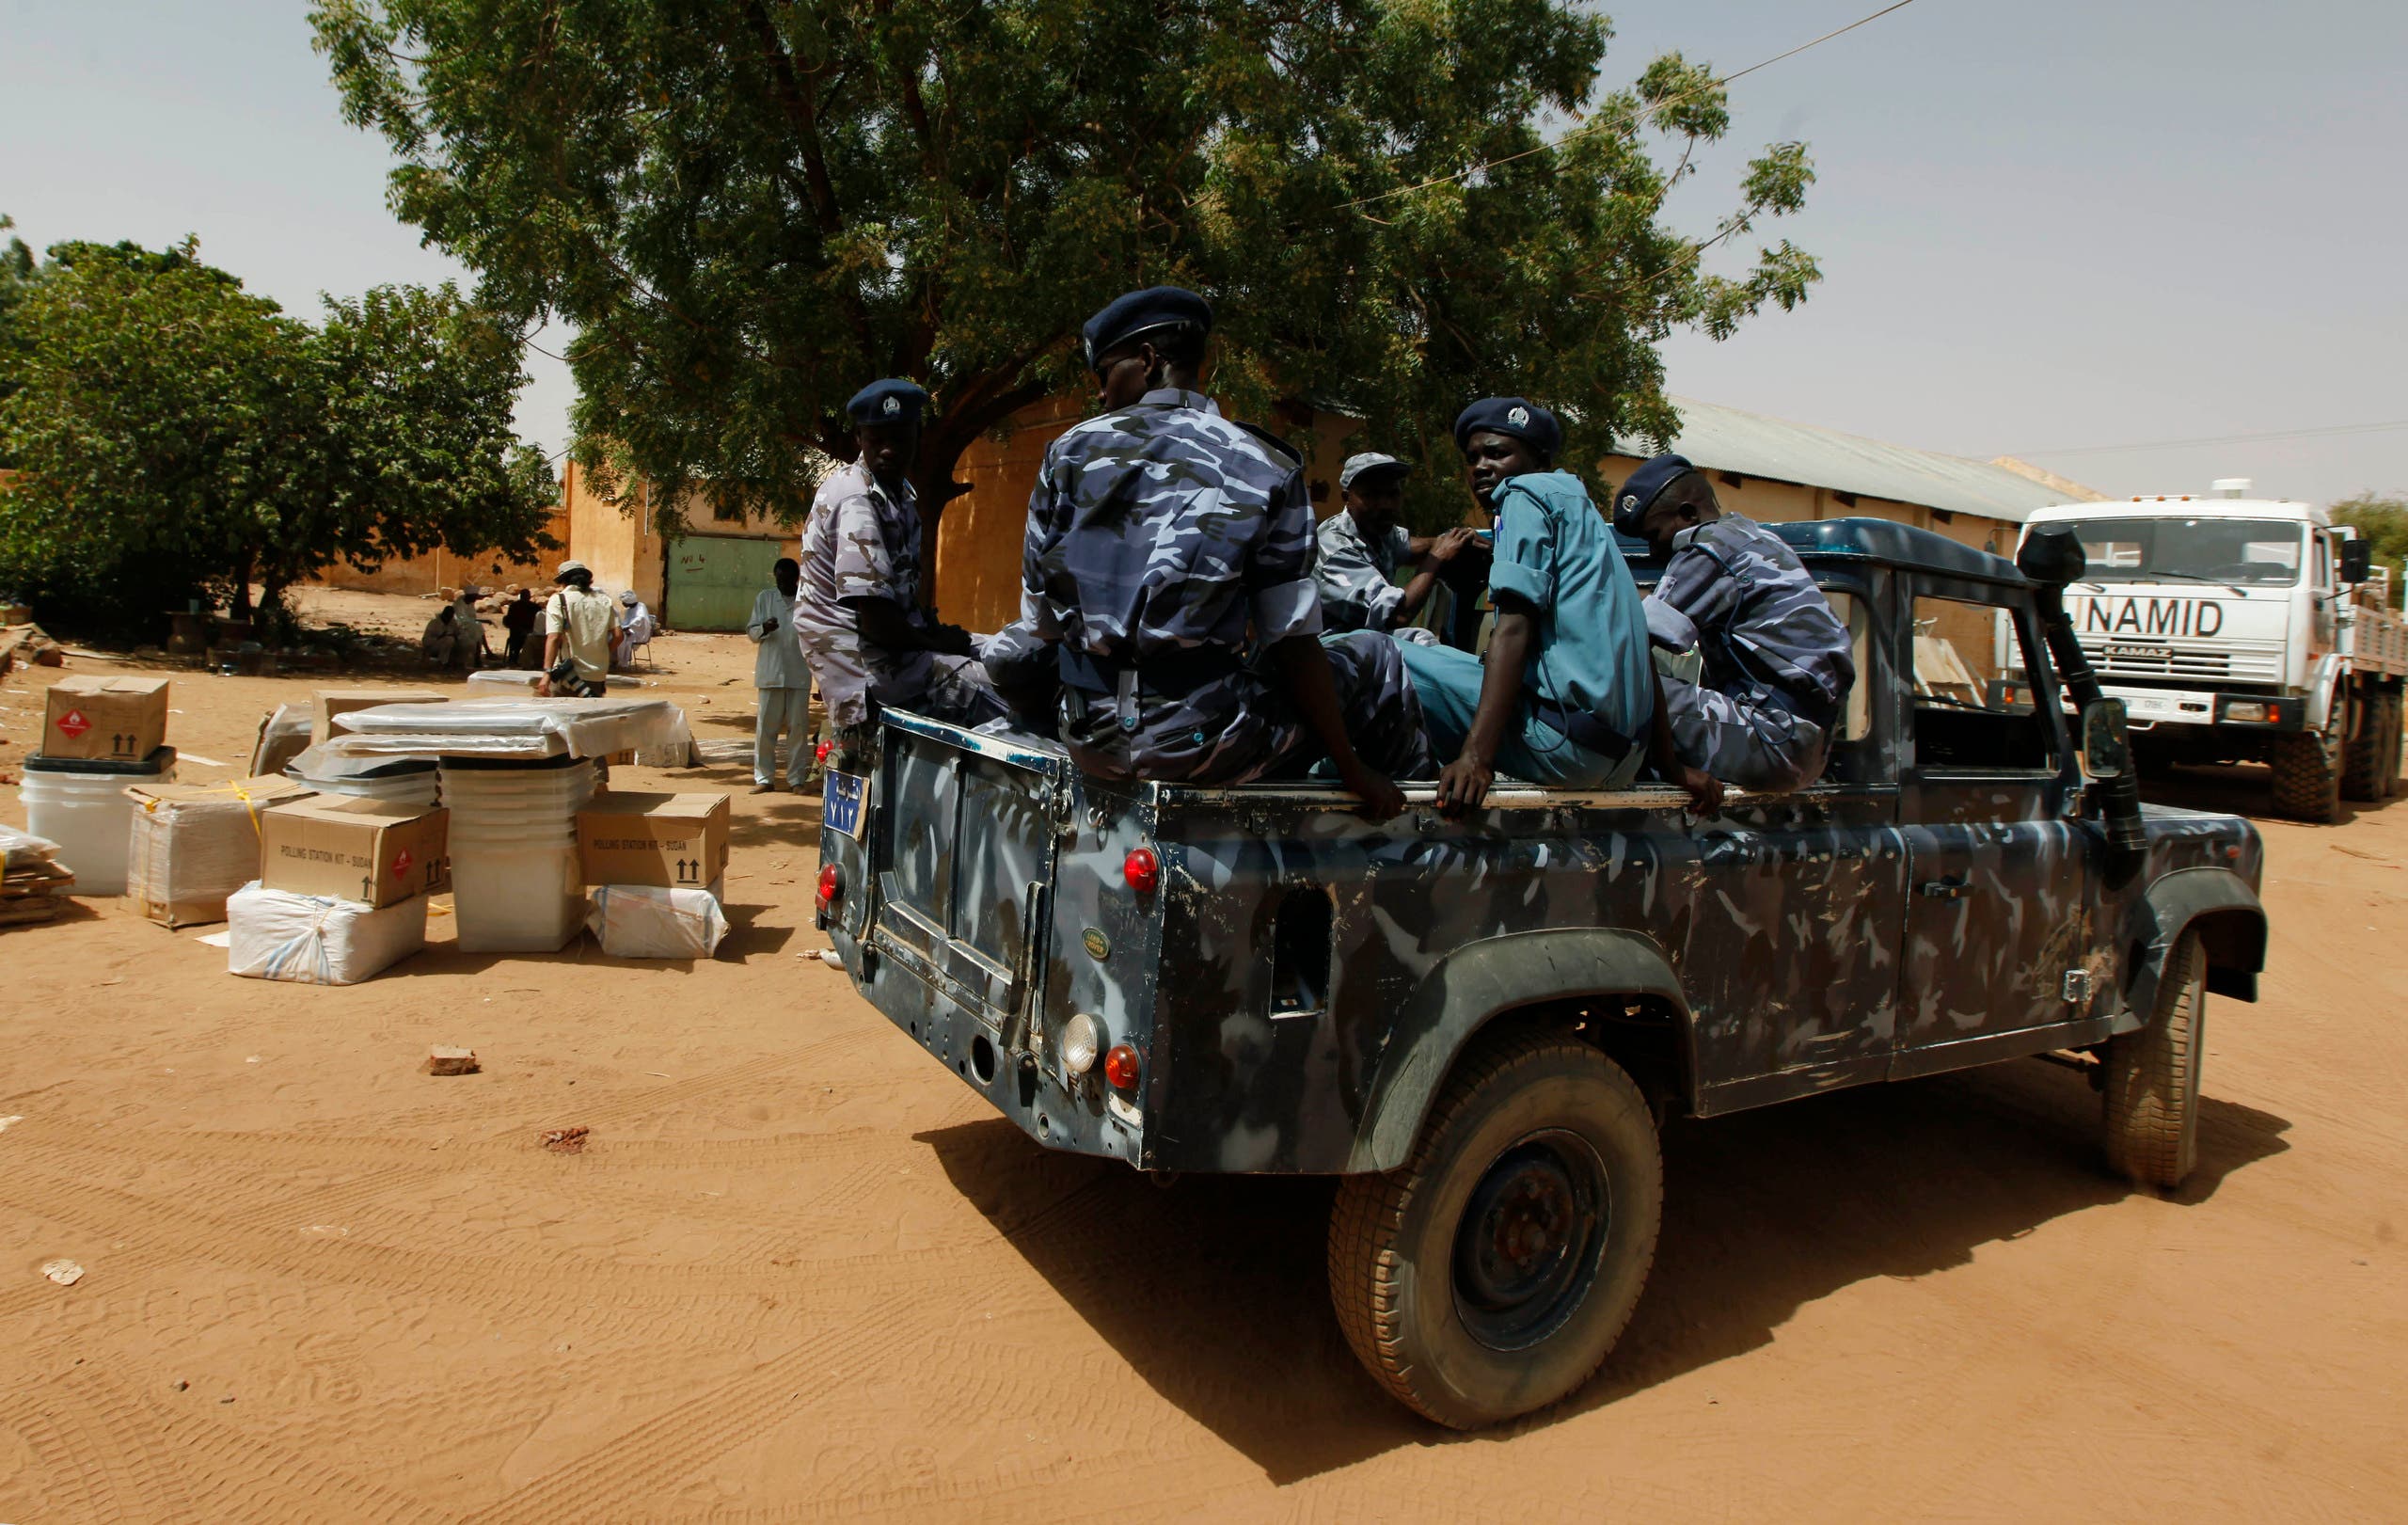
{"points": [[1140, 312], [887, 402], [1643, 487], [1517, 417]]}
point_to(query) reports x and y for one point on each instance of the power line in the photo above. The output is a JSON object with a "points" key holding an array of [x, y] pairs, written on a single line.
{"points": [[1632, 117], [2325, 431]]}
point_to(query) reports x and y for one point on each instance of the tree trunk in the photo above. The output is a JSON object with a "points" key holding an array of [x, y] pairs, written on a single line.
{"points": [[239, 603]]}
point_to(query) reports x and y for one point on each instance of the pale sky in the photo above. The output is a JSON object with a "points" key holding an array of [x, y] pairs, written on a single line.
{"points": [[2044, 224]]}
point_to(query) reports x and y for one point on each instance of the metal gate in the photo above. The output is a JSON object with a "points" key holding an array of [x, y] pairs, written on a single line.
{"points": [[711, 580]]}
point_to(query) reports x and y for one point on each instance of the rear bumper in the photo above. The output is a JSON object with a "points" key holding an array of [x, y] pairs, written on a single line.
{"points": [[1082, 1119]]}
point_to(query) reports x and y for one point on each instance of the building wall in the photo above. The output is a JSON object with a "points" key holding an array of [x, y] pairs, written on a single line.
{"points": [[448, 570], [618, 537]]}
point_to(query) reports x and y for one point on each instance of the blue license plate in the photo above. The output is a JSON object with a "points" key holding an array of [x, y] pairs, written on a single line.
{"points": [[840, 805]]}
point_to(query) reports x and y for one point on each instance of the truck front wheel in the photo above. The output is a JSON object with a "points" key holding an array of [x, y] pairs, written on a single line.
{"points": [[2153, 1076], [1490, 1274], [2308, 776]]}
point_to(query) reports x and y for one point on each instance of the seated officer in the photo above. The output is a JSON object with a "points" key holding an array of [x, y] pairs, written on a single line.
{"points": [[1160, 536], [1566, 694], [1776, 663], [857, 615], [1361, 546]]}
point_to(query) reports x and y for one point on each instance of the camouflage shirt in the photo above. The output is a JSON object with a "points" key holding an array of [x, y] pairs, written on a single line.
{"points": [[1159, 534], [1736, 593], [1357, 573], [861, 542]]}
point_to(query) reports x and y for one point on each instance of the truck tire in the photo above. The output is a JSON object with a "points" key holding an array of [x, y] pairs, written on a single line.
{"points": [[1491, 1273], [2364, 755], [2388, 784], [2308, 776], [2153, 1076]]}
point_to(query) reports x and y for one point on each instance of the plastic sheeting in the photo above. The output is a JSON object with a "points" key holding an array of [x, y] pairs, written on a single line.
{"points": [[643, 921], [315, 940], [24, 849], [508, 727]]}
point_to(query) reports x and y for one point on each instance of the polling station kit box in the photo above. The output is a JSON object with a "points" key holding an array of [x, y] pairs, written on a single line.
{"points": [[676, 841], [328, 703], [104, 719], [375, 851]]}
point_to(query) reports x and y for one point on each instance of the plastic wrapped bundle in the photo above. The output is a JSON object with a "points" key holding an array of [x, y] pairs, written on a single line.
{"points": [[195, 844], [315, 938], [644, 921]]}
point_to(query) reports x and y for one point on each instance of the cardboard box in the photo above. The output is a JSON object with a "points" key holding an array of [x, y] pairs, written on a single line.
{"points": [[676, 841], [328, 703], [195, 844], [111, 719], [375, 851]]}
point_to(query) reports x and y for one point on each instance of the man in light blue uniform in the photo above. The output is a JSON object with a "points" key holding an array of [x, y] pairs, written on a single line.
{"points": [[1567, 695]]}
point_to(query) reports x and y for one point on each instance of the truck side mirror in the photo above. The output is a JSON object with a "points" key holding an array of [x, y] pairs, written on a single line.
{"points": [[2357, 560], [2106, 746]]}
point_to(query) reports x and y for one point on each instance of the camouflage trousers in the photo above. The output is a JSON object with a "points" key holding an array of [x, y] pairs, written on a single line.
{"points": [[1244, 727], [1743, 739]]}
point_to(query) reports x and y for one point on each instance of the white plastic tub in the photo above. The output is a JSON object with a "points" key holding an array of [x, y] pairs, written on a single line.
{"points": [[516, 885], [83, 808]]}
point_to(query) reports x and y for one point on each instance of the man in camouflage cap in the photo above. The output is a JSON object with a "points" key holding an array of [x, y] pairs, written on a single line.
{"points": [[1161, 537], [1362, 547], [1775, 659], [857, 615]]}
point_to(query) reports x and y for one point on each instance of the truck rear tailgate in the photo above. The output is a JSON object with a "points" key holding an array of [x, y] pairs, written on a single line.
{"points": [[964, 852]]}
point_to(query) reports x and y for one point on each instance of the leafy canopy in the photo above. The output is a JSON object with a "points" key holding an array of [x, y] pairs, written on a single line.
{"points": [[2385, 521], [174, 435], [750, 208]]}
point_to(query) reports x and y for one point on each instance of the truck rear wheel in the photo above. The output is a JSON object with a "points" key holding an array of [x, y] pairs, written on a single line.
{"points": [[2368, 753], [1491, 1274], [2153, 1076], [2308, 776], [2387, 783]]}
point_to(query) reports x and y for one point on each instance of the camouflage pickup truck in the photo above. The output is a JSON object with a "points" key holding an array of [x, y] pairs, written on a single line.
{"points": [[1479, 1025]]}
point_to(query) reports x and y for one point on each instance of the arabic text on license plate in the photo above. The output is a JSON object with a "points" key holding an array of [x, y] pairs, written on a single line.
{"points": [[841, 810]]}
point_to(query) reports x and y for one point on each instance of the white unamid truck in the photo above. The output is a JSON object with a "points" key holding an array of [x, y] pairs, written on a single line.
{"points": [[2240, 630]]}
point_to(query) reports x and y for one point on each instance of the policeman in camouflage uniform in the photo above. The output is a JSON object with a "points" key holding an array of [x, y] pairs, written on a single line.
{"points": [[1361, 547], [1775, 659], [867, 638], [1160, 537]]}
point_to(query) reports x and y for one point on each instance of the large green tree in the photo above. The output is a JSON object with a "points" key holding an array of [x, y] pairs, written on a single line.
{"points": [[748, 208], [2384, 521], [175, 435]]}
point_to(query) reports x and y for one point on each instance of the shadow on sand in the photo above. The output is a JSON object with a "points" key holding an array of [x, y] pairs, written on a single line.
{"points": [[1215, 1290]]}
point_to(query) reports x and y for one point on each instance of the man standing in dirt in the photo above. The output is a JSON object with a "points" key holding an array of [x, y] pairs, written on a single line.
{"points": [[579, 624], [781, 681]]}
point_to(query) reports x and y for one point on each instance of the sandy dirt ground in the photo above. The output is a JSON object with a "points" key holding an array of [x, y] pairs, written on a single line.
{"points": [[802, 1272]]}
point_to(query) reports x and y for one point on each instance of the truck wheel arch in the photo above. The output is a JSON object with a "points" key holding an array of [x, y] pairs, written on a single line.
{"points": [[1485, 981], [2228, 918]]}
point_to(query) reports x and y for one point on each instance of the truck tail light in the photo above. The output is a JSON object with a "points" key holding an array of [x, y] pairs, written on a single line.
{"points": [[821, 751], [831, 886], [1081, 1036], [1142, 871], [1120, 1067]]}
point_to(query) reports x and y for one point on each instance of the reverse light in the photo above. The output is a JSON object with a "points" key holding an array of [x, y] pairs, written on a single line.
{"points": [[2245, 711], [1142, 869], [1120, 1067], [831, 886], [1081, 1038]]}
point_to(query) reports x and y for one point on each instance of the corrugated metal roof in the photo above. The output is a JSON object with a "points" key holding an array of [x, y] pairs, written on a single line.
{"points": [[1751, 445]]}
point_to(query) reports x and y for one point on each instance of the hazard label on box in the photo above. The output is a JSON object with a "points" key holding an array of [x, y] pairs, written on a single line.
{"points": [[402, 862], [73, 722]]}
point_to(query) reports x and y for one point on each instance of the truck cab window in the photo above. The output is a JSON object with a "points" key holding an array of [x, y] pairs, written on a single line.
{"points": [[1971, 714]]}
